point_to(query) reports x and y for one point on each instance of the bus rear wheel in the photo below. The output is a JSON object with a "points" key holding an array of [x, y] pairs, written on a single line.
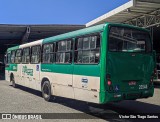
{"points": [[46, 91]]}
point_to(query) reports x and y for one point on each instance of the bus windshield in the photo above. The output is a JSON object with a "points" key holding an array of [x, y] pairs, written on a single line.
{"points": [[123, 39]]}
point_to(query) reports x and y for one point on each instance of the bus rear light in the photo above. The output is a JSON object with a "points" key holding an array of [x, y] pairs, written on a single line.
{"points": [[109, 79], [109, 82]]}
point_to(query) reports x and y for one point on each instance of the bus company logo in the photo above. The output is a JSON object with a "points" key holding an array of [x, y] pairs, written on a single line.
{"points": [[21, 116], [132, 83], [6, 116], [27, 71]]}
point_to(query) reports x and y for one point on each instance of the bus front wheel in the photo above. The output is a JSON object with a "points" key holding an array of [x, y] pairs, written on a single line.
{"points": [[46, 91], [13, 82]]}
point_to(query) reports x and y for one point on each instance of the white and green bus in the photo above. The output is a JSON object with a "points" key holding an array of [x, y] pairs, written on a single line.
{"points": [[99, 64]]}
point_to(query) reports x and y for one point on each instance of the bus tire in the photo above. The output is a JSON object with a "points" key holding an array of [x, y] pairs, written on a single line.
{"points": [[14, 85], [46, 91]]}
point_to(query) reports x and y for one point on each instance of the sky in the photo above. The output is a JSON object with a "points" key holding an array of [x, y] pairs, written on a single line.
{"points": [[54, 11]]}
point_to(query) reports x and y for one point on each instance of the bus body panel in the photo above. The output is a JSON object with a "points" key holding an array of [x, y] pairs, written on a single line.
{"points": [[58, 88], [119, 65], [86, 82], [60, 77]]}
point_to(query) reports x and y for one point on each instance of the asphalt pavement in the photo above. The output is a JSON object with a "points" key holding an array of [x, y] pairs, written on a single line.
{"points": [[25, 100]]}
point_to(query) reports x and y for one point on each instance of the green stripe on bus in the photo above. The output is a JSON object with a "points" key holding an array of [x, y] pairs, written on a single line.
{"points": [[86, 70], [11, 67]]}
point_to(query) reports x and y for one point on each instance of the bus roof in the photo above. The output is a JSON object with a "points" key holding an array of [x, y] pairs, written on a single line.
{"points": [[12, 48], [80, 32]]}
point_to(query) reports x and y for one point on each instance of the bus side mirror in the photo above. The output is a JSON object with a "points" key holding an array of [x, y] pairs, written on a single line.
{"points": [[5, 61]]}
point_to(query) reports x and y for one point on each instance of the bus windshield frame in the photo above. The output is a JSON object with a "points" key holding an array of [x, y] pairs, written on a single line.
{"points": [[128, 39]]}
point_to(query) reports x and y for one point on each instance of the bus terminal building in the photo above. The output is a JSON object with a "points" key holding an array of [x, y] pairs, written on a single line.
{"points": [[141, 13]]}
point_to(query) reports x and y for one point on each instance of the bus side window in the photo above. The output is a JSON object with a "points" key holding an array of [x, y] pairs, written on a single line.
{"points": [[64, 51], [48, 53], [87, 50], [7, 59], [26, 56], [18, 56], [13, 57], [35, 54]]}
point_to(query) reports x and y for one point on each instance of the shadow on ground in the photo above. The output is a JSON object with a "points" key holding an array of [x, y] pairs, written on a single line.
{"points": [[157, 84], [101, 111]]}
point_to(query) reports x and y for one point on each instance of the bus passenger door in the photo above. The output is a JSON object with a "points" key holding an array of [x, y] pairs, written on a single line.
{"points": [[36, 77], [7, 66], [30, 75], [17, 67], [25, 75], [35, 67]]}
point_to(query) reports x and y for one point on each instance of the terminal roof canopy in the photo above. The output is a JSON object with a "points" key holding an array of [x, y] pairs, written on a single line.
{"points": [[143, 13], [17, 34]]}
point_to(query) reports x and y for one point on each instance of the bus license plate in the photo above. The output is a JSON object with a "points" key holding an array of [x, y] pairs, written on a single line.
{"points": [[143, 86]]}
